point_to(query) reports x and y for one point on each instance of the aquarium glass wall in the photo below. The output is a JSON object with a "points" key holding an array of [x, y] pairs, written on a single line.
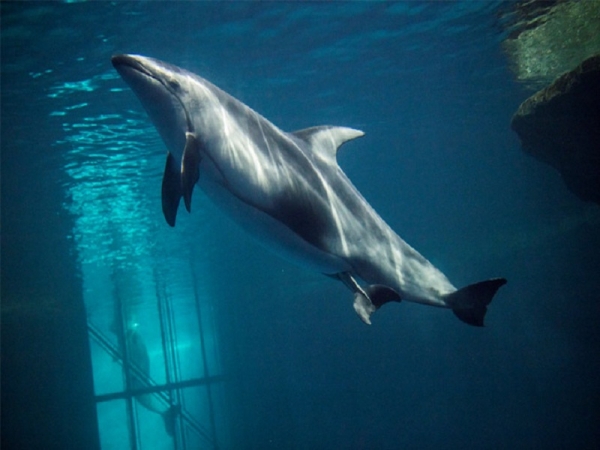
{"points": [[154, 341], [199, 337]]}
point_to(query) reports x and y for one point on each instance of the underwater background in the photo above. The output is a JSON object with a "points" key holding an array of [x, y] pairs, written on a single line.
{"points": [[120, 332]]}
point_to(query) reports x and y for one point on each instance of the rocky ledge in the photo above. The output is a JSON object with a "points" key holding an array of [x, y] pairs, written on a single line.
{"points": [[560, 125]]}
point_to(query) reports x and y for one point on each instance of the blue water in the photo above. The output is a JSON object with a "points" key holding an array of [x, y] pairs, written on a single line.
{"points": [[430, 86]]}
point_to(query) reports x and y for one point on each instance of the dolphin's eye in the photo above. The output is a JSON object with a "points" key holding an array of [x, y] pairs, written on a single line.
{"points": [[174, 84]]}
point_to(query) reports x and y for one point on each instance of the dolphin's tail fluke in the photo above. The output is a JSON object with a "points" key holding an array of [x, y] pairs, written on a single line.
{"points": [[469, 304], [170, 417]]}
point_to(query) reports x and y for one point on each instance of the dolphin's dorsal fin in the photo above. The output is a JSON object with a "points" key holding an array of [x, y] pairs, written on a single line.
{"points": [[326, 139]]}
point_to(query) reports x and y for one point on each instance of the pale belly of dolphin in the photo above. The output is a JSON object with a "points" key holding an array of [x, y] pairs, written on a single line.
{"points": [[272, 233]]}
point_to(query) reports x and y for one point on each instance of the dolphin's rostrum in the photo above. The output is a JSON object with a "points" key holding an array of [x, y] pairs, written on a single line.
{"points": [[287, 190]]}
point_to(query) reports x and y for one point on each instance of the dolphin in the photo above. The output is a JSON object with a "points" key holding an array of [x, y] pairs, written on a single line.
{"points": [[287, 190], [139, 361]]}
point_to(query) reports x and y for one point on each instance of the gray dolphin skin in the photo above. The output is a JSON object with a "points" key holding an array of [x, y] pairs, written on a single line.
{"points": [[287, 190]]}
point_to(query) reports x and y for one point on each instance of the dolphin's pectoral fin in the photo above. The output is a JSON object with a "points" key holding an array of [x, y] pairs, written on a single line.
{"points": [[469, 304], [369, 299], [190, 163], [171, 190], [364, 307], [170, 418], [179, 181]]}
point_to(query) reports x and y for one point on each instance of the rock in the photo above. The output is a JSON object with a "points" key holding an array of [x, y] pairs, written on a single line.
{"points": [[560, 125]]}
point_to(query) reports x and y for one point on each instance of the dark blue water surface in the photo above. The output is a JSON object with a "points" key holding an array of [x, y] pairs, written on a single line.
{"points": [[292, 366]]}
